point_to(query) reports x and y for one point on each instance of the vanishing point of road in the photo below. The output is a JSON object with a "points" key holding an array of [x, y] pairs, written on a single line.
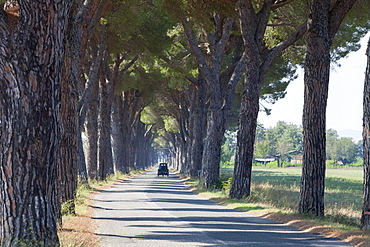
{"points": [[147, 210]]}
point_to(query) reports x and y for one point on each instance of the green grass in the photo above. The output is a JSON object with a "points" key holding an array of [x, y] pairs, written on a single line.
{"points": [[343, 188], [277, 189]]}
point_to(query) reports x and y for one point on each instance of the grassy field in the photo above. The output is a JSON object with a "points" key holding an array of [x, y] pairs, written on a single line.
{"points": [[279, 188], [275, 194]]}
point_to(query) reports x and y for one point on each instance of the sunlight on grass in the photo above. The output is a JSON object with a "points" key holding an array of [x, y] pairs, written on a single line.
{"points": [[343, 190], [278, 189]]}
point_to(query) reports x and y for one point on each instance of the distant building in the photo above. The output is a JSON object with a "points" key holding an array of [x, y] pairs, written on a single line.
{"points": [[295, 157], [265, 160]]}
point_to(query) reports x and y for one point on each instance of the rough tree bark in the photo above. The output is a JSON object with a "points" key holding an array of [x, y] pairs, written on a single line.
{"points": [[190, 92], [198, 101], [119, 157], [211, 72], [220, 99], [365, 219], [139, 143], [148, 142], [241, 181], [175, 150], [31, 61], [258, 59], [182, 118], [91, 127], [67, 156], [85, 19], [105, 155], [118, 133], [131, 106], [89, 108], [323, 24], [68, 159], [317, 70], [105, 164], [144, 141]]}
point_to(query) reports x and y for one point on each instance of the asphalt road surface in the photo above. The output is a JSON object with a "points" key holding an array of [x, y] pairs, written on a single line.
{"points": [[147, 210]]}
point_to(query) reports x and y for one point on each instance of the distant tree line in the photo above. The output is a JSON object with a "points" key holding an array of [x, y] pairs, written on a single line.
{"points": [[284, 138]]}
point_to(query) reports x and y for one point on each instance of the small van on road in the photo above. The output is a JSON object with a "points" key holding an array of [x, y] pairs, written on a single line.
{"points": [[163, 169]]}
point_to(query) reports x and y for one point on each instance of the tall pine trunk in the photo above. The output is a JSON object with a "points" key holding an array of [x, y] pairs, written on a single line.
{"points": [[199, 120], [258, 59], [212, 145], [119, 156], [105, 146], [365, 219], [31, 64], [252, 32], [67, 155], [82, 169], [184, 136], [68, 158], [144, 142], [210, 68], [91, 127], [324, 22], [240, 185], [316, 80]]}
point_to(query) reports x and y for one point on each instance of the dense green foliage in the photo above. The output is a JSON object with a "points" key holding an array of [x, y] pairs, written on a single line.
{"points": [[342, 150], [177, 63], [278, 141]]}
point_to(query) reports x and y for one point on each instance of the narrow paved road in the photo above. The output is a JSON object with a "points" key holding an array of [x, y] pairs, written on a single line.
{"points": [[159, 211]]}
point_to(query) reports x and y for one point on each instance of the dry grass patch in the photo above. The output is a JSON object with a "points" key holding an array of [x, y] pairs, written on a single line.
{"points": [[79, 230]]}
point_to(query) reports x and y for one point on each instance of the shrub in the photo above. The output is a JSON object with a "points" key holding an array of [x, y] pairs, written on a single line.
{"points": [[227, 164]]}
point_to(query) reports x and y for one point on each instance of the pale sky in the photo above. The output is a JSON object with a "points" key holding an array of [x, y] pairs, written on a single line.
{"points": [[344, 110]]}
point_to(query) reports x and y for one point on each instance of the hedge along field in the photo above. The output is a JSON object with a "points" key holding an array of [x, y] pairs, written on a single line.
{"points": [[279, 187]]}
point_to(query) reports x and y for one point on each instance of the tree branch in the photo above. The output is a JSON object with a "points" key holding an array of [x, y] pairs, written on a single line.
{"points": [[98, 10], [280, 4], [127, 66], [93, 74], [220, 45], [192, 80], [149, 129], [203, 66], [262, 19], [337, 14], [235, 78], [123, 57], [248, 23], [282, 46], [281, 25]]}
